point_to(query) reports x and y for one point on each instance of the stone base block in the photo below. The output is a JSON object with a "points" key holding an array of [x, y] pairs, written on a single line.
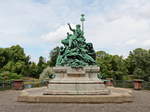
{"points": [[76, 81], [79, 88], [118, 95]]}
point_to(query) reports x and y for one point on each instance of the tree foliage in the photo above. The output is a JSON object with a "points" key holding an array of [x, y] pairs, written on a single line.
{"points": [[138, 63], [14, 63], [111, 65], [53, 56], [14, 60]]}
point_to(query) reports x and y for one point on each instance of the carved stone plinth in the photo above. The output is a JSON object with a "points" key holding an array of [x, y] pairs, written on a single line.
{"points": [[76, 86], [76, 81]]}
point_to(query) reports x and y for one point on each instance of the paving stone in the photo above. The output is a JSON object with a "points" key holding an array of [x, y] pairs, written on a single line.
{"points": [[8, 104]]}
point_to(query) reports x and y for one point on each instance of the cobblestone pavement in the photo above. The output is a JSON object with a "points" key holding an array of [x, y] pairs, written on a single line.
{"points": [[8, 104]]}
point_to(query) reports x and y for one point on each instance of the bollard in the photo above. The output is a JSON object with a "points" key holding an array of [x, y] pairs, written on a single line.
{"points": [[108, 82], [18, 84], [137, 84]]}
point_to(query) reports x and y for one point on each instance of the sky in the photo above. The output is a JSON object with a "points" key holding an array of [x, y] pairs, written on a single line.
{"points": [[114, 26]]}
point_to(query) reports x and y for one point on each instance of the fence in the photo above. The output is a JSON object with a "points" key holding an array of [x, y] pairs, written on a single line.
{"points": [[146, 85], [31, 83], [4, 85], [130, 84], [123, 84]]}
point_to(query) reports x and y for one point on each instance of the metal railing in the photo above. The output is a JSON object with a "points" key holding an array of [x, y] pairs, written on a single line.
{"points": [[4, 85], [123, 84], [130, 84]]}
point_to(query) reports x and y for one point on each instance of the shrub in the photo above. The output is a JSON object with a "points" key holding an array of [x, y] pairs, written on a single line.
{"points": [[9, 76]]}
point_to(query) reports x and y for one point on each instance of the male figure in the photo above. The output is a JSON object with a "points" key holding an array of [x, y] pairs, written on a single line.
{"points": [[76, 37], [77, 32]]}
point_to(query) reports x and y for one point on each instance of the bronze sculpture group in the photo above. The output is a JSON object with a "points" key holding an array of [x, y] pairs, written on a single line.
{"points": [[76, 52]]}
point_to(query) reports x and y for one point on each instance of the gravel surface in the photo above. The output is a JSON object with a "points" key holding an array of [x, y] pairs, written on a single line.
{"points": [[8, 104]]}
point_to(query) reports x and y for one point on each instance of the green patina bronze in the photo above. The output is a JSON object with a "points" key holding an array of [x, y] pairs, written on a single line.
{"points": [[76, 52]]}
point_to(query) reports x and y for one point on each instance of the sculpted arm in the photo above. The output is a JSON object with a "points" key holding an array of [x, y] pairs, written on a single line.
{"points": [[70, 27]]}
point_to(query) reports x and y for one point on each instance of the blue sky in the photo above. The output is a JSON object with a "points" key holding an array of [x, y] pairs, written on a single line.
{"points": [[116, 26]]}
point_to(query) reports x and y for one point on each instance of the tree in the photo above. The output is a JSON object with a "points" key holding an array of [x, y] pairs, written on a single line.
{"points": [[53, 56], [41, 65], [138, 63], [14, 60], [33, 70], [17, 53], [103, 61], [112, 66], [4, 57], [119, 68]]}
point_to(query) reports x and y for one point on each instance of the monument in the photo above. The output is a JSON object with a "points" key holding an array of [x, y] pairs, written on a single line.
{"points": [[76, 70], [76, 75]]}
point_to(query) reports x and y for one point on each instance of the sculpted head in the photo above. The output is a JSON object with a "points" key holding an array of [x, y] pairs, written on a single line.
{"points": [[78, 26]]}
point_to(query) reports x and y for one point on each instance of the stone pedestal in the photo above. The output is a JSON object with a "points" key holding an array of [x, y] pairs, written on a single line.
{"points": [[76, 86], [76, 81]]}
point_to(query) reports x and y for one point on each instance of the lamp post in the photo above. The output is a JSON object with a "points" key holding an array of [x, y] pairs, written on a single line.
{"points": [[82, 21]]}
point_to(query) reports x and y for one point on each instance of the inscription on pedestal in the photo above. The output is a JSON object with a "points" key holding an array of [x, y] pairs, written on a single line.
{"points": [[76, 75]]}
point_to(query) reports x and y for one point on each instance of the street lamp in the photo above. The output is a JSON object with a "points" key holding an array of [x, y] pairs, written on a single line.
{"points": [[82, 21]]}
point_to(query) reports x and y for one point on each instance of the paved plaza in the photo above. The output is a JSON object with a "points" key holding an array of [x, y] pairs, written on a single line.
{"points": [[8, 104]]}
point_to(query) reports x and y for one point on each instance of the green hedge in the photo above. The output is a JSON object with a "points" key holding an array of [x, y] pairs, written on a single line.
{"points": [[9, 76]]}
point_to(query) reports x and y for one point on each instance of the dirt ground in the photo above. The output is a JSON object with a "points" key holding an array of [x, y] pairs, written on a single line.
{"points": [[8, 103]]}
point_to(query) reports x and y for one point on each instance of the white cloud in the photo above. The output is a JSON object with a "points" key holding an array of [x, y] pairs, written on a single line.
{"points": [[131, 42], [117, 30], [57, 35], [146, 43], [116, 26], [121, 29]]}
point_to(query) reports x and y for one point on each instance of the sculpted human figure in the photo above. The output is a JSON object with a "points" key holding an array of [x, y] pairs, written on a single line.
{"points": [[77, 32], [72, 38], [76, 52], [60, 57], [66, 41], [89, 47], [73, 30]]}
